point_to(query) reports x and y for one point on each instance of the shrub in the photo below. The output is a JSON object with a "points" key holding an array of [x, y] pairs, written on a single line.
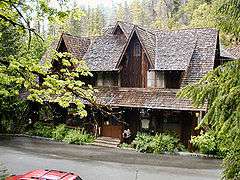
{"points": [[77, 136], [206, 142], [125, 145], [231, 165], [143, 143], [159, 143], [41, 129], [60, 132], [164, 143]]}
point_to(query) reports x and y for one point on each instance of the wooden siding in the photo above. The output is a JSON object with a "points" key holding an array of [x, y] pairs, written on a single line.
{"points": [[134, 65], [62, 47], [118, 31]]}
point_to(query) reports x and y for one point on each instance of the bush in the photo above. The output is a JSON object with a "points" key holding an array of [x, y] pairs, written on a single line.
{"points": [[60, 132], [41, 129], [164, 143], [159, 143], [77, 136], [143, 143], [231, 165], [125, 145], [206, 143]]}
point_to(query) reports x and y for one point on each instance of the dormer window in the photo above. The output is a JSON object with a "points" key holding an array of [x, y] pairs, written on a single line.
{"points": [[173, 79], [118, 31], [137, 49]]}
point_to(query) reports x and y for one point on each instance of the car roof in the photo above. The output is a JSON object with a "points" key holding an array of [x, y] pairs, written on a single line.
{"points": [[49, 175]]}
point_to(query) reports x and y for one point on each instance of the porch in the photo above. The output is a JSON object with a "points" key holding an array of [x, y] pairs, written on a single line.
{"points": [[148, 110], [151, 121]]}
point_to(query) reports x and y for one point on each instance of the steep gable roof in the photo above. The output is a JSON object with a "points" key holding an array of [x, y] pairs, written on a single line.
{"points": [[125, 27], [174, 49], [148, 40], [189, 50], [203, 57], [77, 46], [104, 53], [225, 54]]}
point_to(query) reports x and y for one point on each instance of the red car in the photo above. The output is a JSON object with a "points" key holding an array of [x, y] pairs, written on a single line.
{"points": [[45, 175]]}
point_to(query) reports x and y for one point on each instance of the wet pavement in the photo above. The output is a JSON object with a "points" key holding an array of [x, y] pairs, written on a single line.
{"points": [[22, 154]]}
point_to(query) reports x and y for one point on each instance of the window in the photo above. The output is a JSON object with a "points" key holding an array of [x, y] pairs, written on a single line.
{"points": [[173, 79], [137, 49]]}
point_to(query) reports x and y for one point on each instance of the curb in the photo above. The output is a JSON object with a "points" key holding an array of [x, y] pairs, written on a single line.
{"points": [[29, 136], [184, 154], [207, 156]]}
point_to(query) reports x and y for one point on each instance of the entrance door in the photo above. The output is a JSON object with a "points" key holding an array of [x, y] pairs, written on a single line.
{"points": [[114, 131]]}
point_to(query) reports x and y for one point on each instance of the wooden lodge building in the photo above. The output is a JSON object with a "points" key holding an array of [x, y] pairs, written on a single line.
{"points": [[139, 71]]}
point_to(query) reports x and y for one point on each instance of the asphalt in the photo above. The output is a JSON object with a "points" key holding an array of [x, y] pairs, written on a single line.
{"points": [[20, 154]]}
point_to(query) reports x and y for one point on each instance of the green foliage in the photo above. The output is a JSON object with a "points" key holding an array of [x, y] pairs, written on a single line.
{"points": [[14, 115], [20, 53], [77, 136], [158, 144], [61, 83], [231, 165], [164, 143], [229, 13], [60, 132], [220, 14], [125, 145], [42, 129], [206, 143], [143, 143], [220, 88]]}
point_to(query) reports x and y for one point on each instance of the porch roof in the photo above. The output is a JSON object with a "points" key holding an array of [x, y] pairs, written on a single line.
{"points": [[143, 98]]}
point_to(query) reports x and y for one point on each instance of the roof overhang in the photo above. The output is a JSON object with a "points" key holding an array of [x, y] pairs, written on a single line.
{"points": [[154, 98]]}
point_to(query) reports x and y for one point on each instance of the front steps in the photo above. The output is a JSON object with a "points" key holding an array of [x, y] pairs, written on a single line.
{"points": [[106, 142]]}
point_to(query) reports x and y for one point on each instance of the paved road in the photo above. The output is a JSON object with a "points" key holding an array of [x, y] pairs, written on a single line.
{"points": [[22, 154]]}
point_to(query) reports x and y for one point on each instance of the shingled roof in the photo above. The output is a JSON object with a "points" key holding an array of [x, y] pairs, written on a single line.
{"points": [[189, 50], [143, 98], [149, 42], [126, 27], [203, 56], [234, 51], [174, 49], [77, 46], [104, 52], [225, 54]]}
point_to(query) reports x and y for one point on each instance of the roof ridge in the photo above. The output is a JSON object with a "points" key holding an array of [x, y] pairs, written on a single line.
{"points": [[142, 28], [186, 29], [147, 29], [74, 36]]}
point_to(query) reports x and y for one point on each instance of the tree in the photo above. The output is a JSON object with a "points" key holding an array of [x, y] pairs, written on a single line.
{"points": [[220, 88], [229, 13], [22, 48], [120, 12], [138, 13], [61, 83], [220, 14]]}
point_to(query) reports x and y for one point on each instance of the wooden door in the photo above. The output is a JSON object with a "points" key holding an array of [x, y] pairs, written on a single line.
{"points": [[114, 131]]}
